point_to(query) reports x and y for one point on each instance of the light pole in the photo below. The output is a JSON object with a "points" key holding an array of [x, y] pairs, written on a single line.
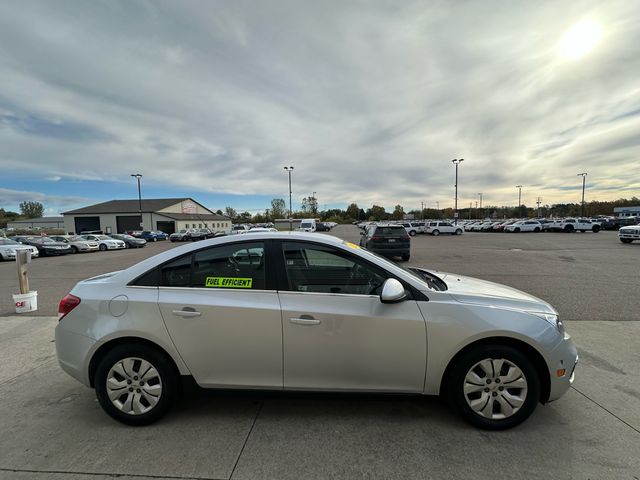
{"points": [[539, 201], [314, 207], [519, 187], [480, 195], [456, 162], [138, 176], [289, 170], [584, 179]]}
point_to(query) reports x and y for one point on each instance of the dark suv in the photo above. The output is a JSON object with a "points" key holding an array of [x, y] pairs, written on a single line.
{"points": [[388, 240]]}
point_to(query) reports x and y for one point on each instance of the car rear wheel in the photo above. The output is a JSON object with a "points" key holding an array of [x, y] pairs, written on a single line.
{"points": [[595, 228], [435, 233], [568, 228], [135, 384], [102, 247], [412, 233], [494, 387]]}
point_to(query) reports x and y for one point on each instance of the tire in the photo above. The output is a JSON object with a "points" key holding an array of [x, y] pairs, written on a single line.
{"points": [[468, 368], [412, 233], [155, 239], [74, 249], [102, 247], [537, 229], [458, 232], [435, 233], [626, 240], [126, 245], [406, 257], [119, 366], [517, 230], [595, 228], [568, 228]]}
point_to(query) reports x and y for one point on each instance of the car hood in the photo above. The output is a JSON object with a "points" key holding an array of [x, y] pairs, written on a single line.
{"points": [[475, 291]]}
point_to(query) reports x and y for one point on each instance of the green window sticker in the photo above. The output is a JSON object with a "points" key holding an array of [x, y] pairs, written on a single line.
{"points": [[228, 282]]}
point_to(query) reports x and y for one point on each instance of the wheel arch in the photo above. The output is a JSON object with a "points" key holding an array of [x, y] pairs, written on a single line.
{"points": [[529, 351], [106, 347]]}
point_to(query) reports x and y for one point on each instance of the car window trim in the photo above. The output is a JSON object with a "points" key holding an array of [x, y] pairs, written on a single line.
{"points": [[269, 283], [283, 283]]}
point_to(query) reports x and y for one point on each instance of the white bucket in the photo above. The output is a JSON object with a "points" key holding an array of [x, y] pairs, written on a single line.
{"points": [[26, 302]]}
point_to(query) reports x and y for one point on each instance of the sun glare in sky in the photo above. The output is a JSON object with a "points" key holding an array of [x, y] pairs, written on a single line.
{"points": [[580, 39]]}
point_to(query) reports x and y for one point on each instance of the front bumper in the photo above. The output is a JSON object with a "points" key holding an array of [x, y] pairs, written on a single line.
{"points": [[115, 247], [51, 251], [563, 357]]}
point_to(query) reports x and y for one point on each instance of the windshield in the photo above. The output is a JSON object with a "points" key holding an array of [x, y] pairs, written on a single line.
{"points": [[103, 237], [6, 241], [306, 225]]}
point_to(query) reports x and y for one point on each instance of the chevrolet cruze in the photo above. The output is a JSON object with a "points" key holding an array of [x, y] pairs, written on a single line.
{"points": [[297, 311]]}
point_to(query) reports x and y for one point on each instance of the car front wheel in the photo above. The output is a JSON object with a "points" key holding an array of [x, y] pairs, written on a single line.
{"points": [[494, 387], [103, 247], [435, 233], [458, 232], [135, 384]]}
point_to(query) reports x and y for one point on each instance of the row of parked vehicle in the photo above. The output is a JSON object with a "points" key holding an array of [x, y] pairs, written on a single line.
{"points": [[567, 225]]}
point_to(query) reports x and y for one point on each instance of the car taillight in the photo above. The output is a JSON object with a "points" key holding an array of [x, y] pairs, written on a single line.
{"points": [[375, 239], [407, 237], [68, 303]]}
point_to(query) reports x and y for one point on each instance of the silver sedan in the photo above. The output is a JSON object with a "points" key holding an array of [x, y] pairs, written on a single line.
{"points": [[296, 311]]}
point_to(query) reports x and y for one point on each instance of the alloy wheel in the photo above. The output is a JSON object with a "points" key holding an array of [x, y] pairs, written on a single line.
{"points": [[495, 388]]}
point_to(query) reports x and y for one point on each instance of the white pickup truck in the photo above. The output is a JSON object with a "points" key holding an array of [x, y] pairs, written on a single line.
{"points": [[573, 225], [629, 233]]}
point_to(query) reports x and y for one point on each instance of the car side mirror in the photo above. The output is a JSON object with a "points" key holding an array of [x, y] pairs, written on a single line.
{"points": [[392, 291]]}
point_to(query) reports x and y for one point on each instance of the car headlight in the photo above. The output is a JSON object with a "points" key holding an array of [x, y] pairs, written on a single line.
{"points": [[553, 320]]}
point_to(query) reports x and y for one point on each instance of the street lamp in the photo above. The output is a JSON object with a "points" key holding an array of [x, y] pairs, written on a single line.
{"points": [[584, 179], [519, 187], [456, 162], [289, 170], [480, 195], [138, 176]]}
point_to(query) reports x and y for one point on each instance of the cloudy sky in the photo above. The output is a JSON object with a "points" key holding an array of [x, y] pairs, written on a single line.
{"points": [[368, 100]]}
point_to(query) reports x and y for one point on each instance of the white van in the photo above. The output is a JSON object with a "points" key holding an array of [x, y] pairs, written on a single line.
{"points": [[307, 225]]}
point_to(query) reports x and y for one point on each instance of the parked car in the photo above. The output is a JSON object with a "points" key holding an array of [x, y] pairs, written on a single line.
{"points": [[8, 249], [129, 240], [77, 243], [629, 234], [182, 235], [153, 235], [322, 227], [436, 228], [135, 233], [388, 240], [200, 234], [262, 229], [46, 247], [216, 313], [238, 229], [411, 228], [574, 225], [105, 242], [468, 227], [524, 226]]}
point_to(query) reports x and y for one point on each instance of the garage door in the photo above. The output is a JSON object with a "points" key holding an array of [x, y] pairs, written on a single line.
{"points": [[127, 223], [167, 227], [87, 224]]}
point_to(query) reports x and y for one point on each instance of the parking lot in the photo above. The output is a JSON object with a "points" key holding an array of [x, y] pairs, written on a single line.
{"points": [[54, 428]]}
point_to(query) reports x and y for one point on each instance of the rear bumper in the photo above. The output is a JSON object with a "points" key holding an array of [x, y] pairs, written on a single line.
{"points": [[390, 251], [73, 352]]}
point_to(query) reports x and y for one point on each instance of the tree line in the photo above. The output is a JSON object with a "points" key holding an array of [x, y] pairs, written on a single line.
{"points": [[27, 210]]}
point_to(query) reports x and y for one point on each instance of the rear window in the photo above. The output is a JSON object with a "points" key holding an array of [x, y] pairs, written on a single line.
{"points": [[390, 231]]}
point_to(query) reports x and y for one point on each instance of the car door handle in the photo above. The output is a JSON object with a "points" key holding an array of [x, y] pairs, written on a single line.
{"points": [[187, 312], [305, 320]]}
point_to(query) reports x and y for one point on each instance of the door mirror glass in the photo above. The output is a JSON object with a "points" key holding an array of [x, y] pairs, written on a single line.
{"points": [[392, 291]]}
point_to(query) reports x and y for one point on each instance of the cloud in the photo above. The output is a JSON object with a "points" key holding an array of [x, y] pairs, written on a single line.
{"points": [[54, 178], [54, 203], [369, 101]]}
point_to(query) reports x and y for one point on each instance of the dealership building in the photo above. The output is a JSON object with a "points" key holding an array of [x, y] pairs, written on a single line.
{"points": [[164, 214]]}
